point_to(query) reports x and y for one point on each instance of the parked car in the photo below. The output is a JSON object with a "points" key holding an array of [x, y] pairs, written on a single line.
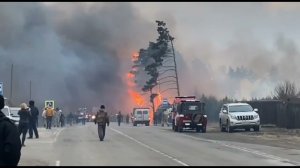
{"points": [[238, 115], [12, 113]]}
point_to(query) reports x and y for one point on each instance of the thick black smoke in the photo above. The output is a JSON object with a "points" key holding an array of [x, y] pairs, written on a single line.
{"points": [[75, 53]]}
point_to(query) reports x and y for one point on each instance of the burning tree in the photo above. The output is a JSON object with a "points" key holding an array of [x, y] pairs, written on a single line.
{"points": [[151, 60]]}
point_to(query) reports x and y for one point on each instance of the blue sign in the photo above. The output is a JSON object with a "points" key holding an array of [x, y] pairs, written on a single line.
{"points": [[1, 88], [165, 103]]}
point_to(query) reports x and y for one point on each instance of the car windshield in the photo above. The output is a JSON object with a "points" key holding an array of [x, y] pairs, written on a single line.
{"points": [[240, 108]]}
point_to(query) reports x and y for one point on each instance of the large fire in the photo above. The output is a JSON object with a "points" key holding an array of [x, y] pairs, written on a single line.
{"points": [[135, 96]]}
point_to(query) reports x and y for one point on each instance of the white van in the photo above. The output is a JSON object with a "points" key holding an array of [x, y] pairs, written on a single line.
{"points": [[141, 116], [12, 113]]}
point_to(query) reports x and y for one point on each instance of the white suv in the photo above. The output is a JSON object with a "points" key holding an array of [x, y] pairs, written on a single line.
{"points": [[238, 115], [12, 114]]}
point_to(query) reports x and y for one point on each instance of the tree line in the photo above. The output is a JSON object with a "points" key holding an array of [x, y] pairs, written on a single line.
{"points": [[282, 91]]}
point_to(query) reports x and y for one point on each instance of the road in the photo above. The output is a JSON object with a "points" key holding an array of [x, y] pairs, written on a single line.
{"points": [[146, 146]]}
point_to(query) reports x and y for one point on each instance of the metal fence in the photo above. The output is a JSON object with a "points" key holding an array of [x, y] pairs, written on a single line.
{"points": [[283, 114]]}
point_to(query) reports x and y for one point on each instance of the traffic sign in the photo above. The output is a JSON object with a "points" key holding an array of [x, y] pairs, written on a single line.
{"points": [[1, 88], [49, 103]]}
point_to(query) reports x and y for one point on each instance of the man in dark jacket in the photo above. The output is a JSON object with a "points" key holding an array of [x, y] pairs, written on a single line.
{"points": [[10, 143], [33, 120], [102, 120]]}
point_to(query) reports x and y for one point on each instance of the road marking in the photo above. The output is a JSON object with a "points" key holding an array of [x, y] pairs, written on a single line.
{"points": [[57, 134], [147, 146], [57, 163], [269, 156]]}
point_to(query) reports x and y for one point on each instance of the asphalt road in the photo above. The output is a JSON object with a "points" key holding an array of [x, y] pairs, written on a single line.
{"points": [[146, 146]]}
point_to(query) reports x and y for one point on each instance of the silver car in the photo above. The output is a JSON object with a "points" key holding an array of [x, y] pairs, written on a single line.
{"points": [[238, 115]]}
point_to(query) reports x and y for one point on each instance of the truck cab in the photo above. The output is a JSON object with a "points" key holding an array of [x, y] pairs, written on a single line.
{"points": [[141, 116], [188, 113]]}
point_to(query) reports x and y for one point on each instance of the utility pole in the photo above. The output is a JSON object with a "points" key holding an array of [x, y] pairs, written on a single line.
{"points": [[11, 82]]}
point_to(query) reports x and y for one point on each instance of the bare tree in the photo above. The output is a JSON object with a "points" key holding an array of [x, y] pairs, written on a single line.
{"points": [[285, 90]]}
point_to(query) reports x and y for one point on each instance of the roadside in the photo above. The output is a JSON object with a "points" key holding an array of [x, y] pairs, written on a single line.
{"points": [[38, 151], [271, 136]]}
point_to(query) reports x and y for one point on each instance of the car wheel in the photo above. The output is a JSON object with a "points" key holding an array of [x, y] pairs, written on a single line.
{"points": [[229, 129], [256, 128], [222, 129]]}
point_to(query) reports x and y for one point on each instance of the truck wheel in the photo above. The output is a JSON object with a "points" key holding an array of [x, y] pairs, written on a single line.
{"points": [[198, 129], [256, 128], [203, 129], [180, 129]]}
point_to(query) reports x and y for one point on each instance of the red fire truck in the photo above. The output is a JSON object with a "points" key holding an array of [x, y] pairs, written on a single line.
{"points": [[188, 113]]}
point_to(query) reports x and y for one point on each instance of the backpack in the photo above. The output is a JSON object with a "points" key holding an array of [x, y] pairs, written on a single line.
{"points": [[49, 112], [101, 118]]}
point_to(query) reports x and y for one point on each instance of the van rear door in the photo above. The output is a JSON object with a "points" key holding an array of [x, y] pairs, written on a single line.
{"points": [[139, 115], [145, 115]]}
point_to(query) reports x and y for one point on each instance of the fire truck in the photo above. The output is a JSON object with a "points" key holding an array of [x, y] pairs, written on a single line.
{"points": [[188, 113]]}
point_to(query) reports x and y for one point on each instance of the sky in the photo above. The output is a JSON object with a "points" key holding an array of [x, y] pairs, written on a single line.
{"points": [[79, 53]]}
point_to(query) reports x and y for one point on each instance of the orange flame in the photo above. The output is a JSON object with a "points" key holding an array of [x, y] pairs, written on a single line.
{"points": [[136, 97]]}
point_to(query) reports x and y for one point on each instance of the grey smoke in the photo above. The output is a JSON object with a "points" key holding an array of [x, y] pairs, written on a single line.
{"points": [[76, 54]]}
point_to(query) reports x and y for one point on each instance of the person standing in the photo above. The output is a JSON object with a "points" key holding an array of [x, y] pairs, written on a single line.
{"points": [[127, 119], [24, 114], [119, 117], [49, 115], [102, 120], [10, 143], [33, 120]]}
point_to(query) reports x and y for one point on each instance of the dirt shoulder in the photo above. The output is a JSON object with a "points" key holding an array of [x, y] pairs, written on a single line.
{"points": [[270, 136]]}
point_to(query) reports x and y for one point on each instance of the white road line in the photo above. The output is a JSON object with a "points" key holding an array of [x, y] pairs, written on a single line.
{"points": [[57, 134], [147, 146], [57, 163], [269, 156]]}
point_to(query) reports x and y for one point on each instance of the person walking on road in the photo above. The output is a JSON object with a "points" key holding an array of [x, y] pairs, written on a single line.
{"points": [[127, 119], [33, 120], [10, 143], [119, 117], [25, 115], [49, 115], [62, 120], [102, 120]]}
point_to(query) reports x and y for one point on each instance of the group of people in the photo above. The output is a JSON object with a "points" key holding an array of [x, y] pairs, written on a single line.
{"points": [[49, 115], [120, 118], [10, 142]]}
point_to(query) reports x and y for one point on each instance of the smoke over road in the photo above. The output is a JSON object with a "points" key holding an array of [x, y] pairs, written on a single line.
{"points": [[79, 54], [75, 53]]}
